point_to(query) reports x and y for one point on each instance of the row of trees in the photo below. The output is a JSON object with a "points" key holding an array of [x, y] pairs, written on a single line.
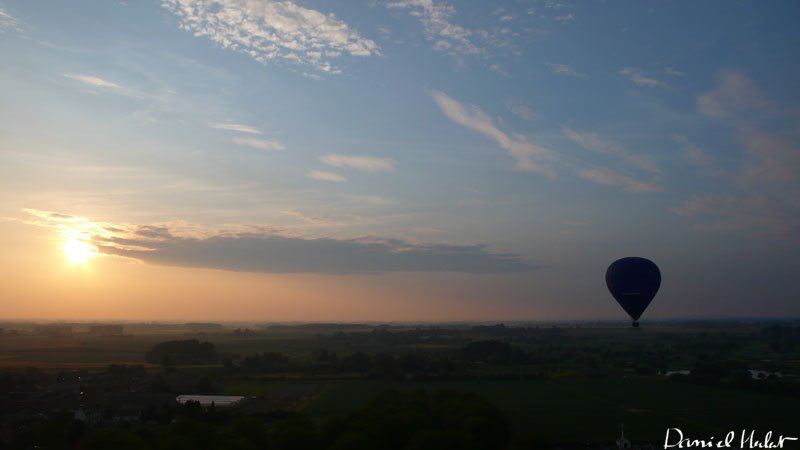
{"points": [[394, 420]]}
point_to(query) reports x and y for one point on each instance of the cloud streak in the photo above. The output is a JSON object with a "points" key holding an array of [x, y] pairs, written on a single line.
{"points": [[594, 142], [260, 144], [269, 250], [692, 152], [360, 163], [9, 22], [235, 127], [272, 30], [760, 214], [522, 111], [735, 94], [764, 202], [529, 156], [326, 176], [640, 79], [564, 70], [602, 175], [435, 18], [92, 81]]}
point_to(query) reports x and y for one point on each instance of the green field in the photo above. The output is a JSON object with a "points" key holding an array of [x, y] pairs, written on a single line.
{"points": [[574, 409]]}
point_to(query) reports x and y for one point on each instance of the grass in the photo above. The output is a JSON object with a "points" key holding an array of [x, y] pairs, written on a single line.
{"points": [[576, 409]]}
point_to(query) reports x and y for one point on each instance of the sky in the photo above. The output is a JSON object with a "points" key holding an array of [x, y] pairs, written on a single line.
{"points": [[399, 160]]}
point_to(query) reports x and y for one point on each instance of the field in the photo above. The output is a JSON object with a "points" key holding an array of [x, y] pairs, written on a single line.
{"points": [[562, 385], [577, 409]]}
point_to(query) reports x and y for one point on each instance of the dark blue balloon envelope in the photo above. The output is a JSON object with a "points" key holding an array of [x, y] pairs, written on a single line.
{"points": [[633, 282]]}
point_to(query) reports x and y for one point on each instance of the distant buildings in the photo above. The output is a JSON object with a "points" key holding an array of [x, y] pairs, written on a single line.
{"points": [[205, 401], [53, 330], [621, 443], [106, 330], [201, 327], [754, 374], [763, 374]]}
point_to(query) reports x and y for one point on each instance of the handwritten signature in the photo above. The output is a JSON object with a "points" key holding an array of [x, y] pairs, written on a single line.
{"points": [[746, 439]]}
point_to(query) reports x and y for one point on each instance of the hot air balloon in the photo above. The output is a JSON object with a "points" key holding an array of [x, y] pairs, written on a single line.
{"points": [[633, 282]]}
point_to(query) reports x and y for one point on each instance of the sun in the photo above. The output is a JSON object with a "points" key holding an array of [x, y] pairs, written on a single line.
{"points": [[78, 251]]}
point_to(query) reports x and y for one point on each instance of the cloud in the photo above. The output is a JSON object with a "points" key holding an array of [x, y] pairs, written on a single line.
{"points": [[772, 158], [304, 221], [93, 81], [564, 70], [272, 30], [760, 214], [309, 219], [564, 18], [372, 200], [326, 176], [52, 218], [639, 78], [435, 19], [530, 157], [671, 71], [602, 175], [764, 201], [522, 111], [362, 163], [593, 141], [736, 94], [266, 249], [498, 68], [261, 144], [235, 127], [692, 152], [9, 22]]}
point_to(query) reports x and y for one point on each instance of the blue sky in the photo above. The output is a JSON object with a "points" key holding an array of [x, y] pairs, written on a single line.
{"points": [[498, 152]]}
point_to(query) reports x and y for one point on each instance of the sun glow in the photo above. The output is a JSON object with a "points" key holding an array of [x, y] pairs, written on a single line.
{"points": [[78, 251]]}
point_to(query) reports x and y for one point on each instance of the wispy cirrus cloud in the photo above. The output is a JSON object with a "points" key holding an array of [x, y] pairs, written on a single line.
{"points": [[764, 201], [326, 176], [673, 72], [693, 153], [260, 144], [564, 18], [362, 163], [93, 81], [772, 158], [529, 156], [439, 29], [9, 22], [268, 249], [603, 175], [761, 214], [271, 30], [564, 70], [522, 111], [735, 95], [640, 79], [594, 142], [610, 177], [230, 126]]}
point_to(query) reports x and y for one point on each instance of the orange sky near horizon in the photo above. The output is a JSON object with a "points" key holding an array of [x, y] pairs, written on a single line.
{"points": [[40, 282]]}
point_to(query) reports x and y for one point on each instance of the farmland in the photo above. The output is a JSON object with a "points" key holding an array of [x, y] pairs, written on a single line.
{"points": [[556, 384]]}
